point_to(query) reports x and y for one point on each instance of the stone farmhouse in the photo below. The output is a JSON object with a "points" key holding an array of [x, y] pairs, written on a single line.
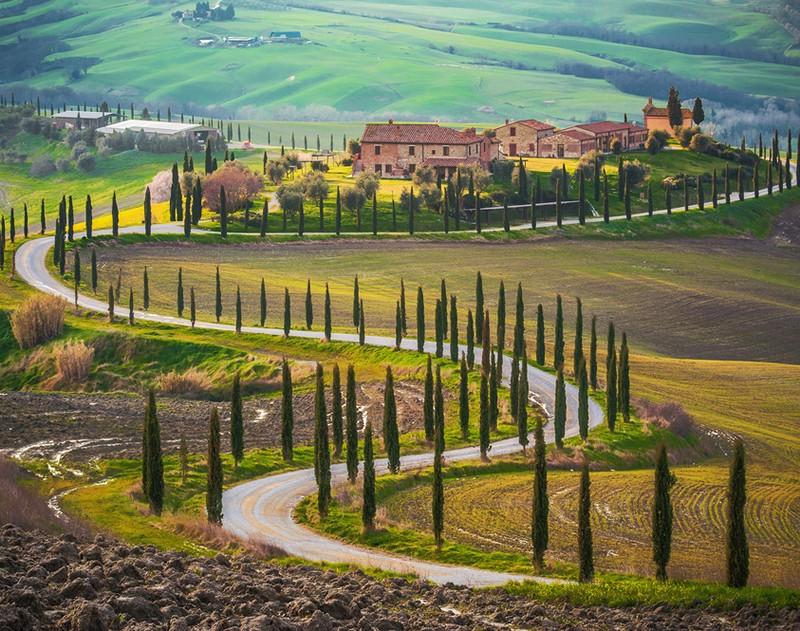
{"points": [[657, 118], [397, 149], [522, 137], [75, 119], [575, 141], [198, 133]]}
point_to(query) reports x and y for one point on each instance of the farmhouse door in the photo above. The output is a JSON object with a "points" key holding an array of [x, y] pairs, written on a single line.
{"points": [[512, 149]]}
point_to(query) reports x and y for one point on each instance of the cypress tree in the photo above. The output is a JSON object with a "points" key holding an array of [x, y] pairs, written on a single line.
{"points": [[214, 473], [155, 466], [593, 355], [287, 312], [237, 421], [438, 487], [130, 306], [374, 214], [484, 417], [356, 303], [756, 183], [662, 514], [540, 533], [559, 213], [351, 421], [145, 289], [71, 220], [628, 214], [192, 306], [336, 412], [611, 390], [453, 329], [513, 386], [581, 198], [540, 348], [769, 177], [577, 355], [263, 303], [606, 214], [533, 206], [179, 296], [737, 550], [583, 400], [620, 179], [12, 227], [463, 398], [486, 350], [479, 308], [443, 298], [439, 411], [740, 183], [522, 401], [558, 357], [649, 199], [42, 218], [322, 456], [727, 185], [427, 402], [327, 310], [470, 340], [218, 296], [338, 216], [368, 504], [668, 198], [148, 212], [506, 222], [287, 412], [440, 327], [362, 327], [501, 329], [25, 220], [700, 195], [519, 323], [411, 212], [110, 303], [309, 306], [391, 434], [585, 552], [403, 306], [685, 193], [398, 326], [494, 412], [187, 217], [264, 219], [420, 320], [560, 416], [624, 399]]}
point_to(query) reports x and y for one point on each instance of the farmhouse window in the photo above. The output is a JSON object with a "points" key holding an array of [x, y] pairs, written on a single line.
{"points": [[377, 168], [412, 168], [512, 131], [387, 169], [445, 150], [377, 150], [412, 150]]}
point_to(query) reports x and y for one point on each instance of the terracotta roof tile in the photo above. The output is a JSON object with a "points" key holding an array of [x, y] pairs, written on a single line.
{"points": [[416, 133]]}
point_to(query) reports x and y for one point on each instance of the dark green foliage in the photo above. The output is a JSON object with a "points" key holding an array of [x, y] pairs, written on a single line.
{"points": [[439, 411], [501, 328], [558, 356], [192, 306], [148, 212], [391, 434], [577, 355], [94, 270], [484, 418], [356, 303], [540, 533], [264, 219], [114, 215], [322, 454], [443, 298], [440, 326], [153, 481], [540, 347], [179, 298], [581, 198], [628, 214], [674, 107], [583, 400], [238, 311], [463, 398], [453, 329], [351, 420], [327, 313], [700, 195], [470, 340], [403, 306], [559, 211], [522, 401], [560, 411], [309, 306], [336, 412], [145, 290], [420, 320], [427, 402], [624, 399], [263, 303], [214, 472], [479, 309], [737, 549], [585, 551], [662, 514], [368, 504], [110, 303], [398, 326], [486, 350], [237, 421], [287, 412], [593, 355], [611, 390], [411, 211], [223, 213], [514, 386], [362, 327], [606, 212], [494, 411], [438, 485], [88, 217], [287, 312]]}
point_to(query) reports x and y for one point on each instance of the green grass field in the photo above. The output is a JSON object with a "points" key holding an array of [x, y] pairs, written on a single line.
{"points": [[435, 60]]}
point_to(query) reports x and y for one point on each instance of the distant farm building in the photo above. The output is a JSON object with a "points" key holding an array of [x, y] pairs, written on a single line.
{"points": [[657, 118], [397, 149], [521, 138], [198, 133], [242, 42], [278, 37], [75, 119], [574, 141]]}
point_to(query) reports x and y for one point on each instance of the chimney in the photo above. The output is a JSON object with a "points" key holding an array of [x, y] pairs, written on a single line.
{"points": [[506, 121], [391, 121], [650, 100]]}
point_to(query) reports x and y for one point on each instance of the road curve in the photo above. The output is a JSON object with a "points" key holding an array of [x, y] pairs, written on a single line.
{"points": [[263, 509]]}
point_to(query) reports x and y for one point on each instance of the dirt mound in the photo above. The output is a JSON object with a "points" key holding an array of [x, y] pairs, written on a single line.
{"points": [[69, 585], [786, 228]]}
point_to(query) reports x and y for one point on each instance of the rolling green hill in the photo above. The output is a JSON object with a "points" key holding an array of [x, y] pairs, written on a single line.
{"points": [[448, 59]]}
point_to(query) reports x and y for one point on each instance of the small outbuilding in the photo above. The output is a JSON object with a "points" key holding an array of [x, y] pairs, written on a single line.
{"points": [[199, 133], [75, 119]]}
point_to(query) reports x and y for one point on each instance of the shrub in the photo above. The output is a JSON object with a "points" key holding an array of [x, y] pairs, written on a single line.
{"points": [[555, 177], [669, 415], [685, 134], [161, 186], [353, 146], [315, 186], [39, 319], [31, 125], [290, 197], [353, 198], [187, 181], [656, 141], [63, 165], [431, 196], [276, 171], [192, 382], [369, 183], [78, 149], [634, 172], [241, 186], [86, 162], [73, 361], [586, 163], [616, 146], [404, 195], [423, 175], [42, 166]]}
